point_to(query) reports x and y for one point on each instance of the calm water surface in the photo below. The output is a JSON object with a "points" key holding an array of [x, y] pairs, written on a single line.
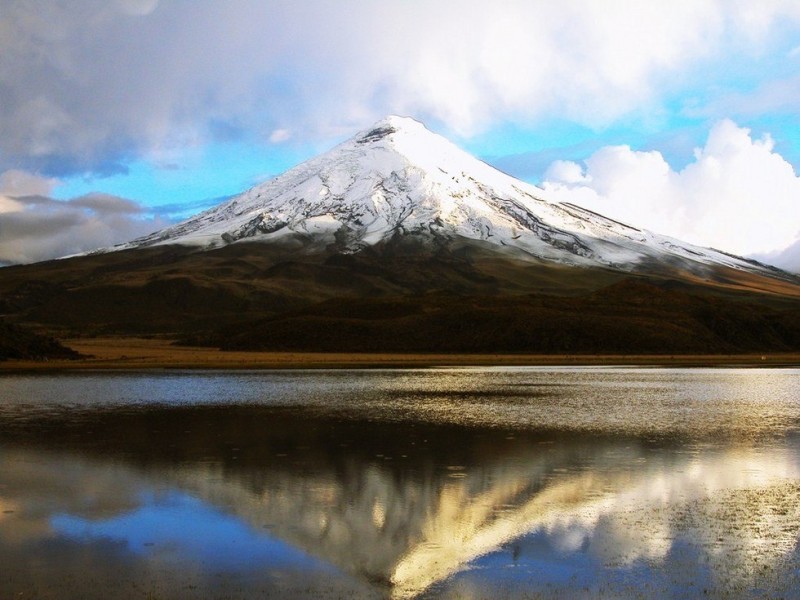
{"points": [[454, 483]]}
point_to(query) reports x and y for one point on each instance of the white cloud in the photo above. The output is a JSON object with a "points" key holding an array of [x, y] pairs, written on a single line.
{"points": [[15, 182], [566, 172], [280, 135], [738, 194], [138, 8], [787, 259], [87, 84]]}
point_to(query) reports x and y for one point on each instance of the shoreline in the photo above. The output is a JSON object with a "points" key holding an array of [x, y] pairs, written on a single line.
{"points": [[157, 354]]}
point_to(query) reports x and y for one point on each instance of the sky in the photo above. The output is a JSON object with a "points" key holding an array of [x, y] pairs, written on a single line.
{"points": [[118, 117]]}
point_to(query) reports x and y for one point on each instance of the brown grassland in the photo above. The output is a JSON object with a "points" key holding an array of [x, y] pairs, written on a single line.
{"points": [[141, 353]]}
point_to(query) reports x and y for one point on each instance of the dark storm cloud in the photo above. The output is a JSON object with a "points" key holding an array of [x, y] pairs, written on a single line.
{"points": [[105, 203], [19, 226], [38, 227]]}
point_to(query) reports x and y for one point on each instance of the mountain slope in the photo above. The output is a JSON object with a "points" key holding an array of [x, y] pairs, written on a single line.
{"points": [[630, 316], [399, 179]]}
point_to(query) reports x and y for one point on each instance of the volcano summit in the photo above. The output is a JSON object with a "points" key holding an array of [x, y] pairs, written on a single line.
{"points": [[397, 240]]}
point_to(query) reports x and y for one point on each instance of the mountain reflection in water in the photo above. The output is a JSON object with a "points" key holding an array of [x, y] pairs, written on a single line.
{"points": [[235, 500]]}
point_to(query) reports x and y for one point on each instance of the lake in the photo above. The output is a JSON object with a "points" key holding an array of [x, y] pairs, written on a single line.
{"points": [[430, 483]]}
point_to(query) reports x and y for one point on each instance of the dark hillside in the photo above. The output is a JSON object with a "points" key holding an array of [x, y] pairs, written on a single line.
{"points": [[629, 317], [19, 343], [468, 297]]}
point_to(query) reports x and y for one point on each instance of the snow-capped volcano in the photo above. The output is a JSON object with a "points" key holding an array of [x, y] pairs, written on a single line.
{"points": [[398, 241], [399, 179]]}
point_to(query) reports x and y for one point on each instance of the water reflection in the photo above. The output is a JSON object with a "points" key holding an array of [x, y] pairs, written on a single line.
{"points": [[240, 500], [404, 483]]}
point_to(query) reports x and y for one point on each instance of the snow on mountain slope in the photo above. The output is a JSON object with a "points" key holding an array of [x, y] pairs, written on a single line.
{"points": [[398, 178]]}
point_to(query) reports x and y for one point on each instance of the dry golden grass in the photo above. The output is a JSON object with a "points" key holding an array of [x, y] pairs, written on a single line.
{"points": [[139, 353]]}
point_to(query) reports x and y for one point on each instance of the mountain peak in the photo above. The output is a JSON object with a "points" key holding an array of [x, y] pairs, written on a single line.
{"points": [[390, 125], [407, 136], [400, 123]]}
